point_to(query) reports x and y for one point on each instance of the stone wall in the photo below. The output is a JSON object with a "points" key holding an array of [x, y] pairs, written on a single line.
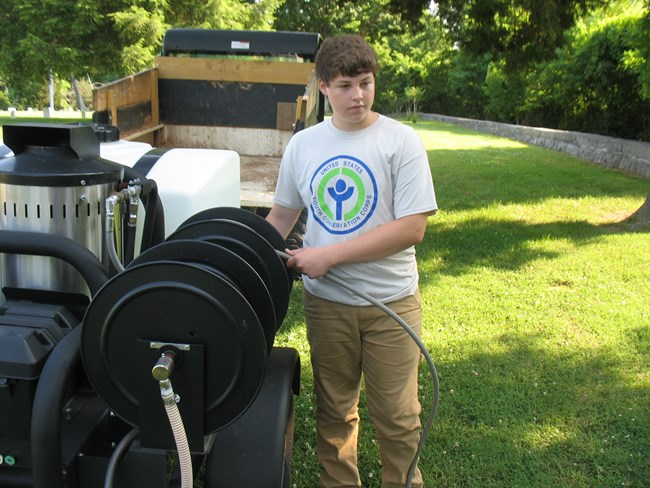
{"points": [[625, 155]]}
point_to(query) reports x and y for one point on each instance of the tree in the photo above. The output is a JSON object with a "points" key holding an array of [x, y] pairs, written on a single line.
{"points": [[41, 37], [414, 59], [103, 40], [638, 59], [372, 19], [594, 84], [641, 218], [410, 10], [519, 31]]}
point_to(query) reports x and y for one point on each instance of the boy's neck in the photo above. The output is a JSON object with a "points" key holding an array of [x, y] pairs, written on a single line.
{"points": [[346, 126]]}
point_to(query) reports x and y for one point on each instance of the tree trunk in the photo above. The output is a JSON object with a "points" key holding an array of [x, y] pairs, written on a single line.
{"points": [[80, 101], [641, 218]]}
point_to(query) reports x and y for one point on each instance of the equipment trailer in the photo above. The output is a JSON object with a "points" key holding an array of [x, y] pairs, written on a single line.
{"points": [[244, 91]]}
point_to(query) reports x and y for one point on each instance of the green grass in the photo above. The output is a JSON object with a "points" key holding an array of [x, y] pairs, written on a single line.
{"points": [[538, 319]]}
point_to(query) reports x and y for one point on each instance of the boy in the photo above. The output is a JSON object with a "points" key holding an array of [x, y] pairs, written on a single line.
{"points": [[366, 181]]}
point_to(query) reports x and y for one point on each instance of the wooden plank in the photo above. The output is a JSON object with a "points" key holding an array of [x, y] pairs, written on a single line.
{"points": [[245, 71], [100, 99], [312, 98], [155, 103], [136, 136], [126, 91], [286, 114]]}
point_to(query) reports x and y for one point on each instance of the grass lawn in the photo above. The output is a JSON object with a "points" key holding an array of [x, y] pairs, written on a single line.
{"points": [[537, 315]]}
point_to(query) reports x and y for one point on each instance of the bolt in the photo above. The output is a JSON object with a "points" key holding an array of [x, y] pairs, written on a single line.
{"points": [[67, 413]]}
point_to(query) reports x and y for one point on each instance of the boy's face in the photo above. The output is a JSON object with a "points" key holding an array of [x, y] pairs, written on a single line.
{"points": [[351, 99]]}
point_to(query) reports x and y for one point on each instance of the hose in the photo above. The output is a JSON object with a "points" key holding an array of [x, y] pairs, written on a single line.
{"points": [[180, 437], [45, 435], [421, 346], [134, 204], [132, 195], [119, 452], [111, 203], [153, 230], [54, 245], [45, 432]]}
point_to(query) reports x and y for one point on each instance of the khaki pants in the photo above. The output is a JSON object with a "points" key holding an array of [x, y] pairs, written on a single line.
{"points": [[345, 342]]}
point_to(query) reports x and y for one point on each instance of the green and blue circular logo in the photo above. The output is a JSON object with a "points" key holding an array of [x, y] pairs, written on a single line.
{"points": [[344, 194]]}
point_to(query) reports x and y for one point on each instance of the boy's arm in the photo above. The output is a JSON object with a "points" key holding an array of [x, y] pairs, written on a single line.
{"points": [[378, 243], [283, 218]]}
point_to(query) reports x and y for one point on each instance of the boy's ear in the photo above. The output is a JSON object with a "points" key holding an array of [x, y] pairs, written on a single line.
{"points": [[322, 86]]}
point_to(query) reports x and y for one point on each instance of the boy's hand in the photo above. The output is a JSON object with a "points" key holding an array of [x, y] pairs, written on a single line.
{"points": [[310, 261]]}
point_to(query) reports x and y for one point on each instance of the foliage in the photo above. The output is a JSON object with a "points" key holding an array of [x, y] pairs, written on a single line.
{"points": [[593, 86], [466, 78], [5, 101], [519, 31], [372, 19], [637, 58], [577, 65], [102, 40], [221, 14], [410, 60], [504, 92], [409, 10]]}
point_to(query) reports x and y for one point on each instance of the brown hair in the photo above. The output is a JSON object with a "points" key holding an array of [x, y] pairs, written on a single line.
{"points": [[347, 55]]}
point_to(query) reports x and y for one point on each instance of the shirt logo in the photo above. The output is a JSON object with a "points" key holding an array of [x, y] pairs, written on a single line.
{"points": [[344, 194]]}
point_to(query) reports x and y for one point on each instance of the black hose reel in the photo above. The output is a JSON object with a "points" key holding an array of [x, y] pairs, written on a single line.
{"points": [[213, 295]]}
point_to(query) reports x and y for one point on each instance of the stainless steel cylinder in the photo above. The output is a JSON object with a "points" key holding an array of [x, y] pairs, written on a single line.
{"points": [[56, 183], [74, 212]]}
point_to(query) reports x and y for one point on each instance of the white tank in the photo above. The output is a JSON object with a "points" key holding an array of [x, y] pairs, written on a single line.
{"points": [[189, 180], [192, 180], [124, 152]]}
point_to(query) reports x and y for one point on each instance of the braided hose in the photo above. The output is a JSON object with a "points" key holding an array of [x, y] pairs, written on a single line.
{"points": [[180, 437]]}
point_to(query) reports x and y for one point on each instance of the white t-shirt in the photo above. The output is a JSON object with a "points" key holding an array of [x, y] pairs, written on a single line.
{"points": [[352, 182]]}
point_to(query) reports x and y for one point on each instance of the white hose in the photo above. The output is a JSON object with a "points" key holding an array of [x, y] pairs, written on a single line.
{"points": [[180, 437]]}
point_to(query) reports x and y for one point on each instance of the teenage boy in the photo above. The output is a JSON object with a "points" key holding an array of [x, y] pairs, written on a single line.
{"points": [[366, 181]]}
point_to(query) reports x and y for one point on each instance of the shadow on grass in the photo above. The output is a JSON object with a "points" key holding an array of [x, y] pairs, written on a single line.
{"points": [[523, 415], [536, 416], [455, 248]]}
